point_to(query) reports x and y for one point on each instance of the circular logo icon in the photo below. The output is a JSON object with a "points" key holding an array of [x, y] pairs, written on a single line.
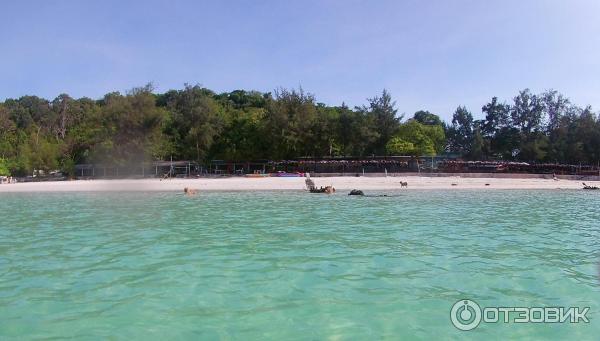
{"points": [[465, 315]]}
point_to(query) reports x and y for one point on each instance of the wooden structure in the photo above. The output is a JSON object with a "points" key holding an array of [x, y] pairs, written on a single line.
{"points": [[143, 170]]}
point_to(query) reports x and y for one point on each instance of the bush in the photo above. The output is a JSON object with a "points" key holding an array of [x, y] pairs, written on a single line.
{"points": [[4, 171]]}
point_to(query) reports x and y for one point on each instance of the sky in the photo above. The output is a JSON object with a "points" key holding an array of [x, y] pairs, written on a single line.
{"points": [[430, 55]]}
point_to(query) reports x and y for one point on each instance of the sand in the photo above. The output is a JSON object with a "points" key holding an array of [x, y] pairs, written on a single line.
{"points": [[342, 184]]}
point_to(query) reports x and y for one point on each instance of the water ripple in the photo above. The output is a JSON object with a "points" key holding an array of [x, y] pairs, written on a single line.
{"points": [[283, 265]]}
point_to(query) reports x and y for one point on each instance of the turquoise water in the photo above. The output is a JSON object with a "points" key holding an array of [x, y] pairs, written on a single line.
{"points": [[292, 265]]}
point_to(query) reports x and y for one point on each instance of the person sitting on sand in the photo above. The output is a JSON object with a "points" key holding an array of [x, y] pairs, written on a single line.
{"points": [[189, 191]]}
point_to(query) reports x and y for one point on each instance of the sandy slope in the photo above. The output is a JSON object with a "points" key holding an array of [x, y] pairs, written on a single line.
{"points": [[253, 184]]}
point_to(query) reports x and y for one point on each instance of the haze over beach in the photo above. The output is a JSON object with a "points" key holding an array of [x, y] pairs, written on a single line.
{"points": [[300, 170]]}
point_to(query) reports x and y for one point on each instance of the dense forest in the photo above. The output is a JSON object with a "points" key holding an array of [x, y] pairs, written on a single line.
{"points": [[196, 123]]}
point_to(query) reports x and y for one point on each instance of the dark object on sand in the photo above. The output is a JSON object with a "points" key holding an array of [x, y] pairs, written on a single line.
{"points": [[487, 184], [356, 192], [454, 184], [403, 184], [590, 187]]}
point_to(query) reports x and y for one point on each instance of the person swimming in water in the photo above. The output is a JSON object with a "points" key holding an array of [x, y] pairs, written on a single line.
{"points": [[189, 191]]}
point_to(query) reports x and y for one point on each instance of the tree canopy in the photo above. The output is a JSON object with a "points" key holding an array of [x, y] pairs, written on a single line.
{"points": [[195, 123]]}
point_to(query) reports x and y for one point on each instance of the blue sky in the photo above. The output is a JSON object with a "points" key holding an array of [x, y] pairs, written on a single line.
{"points": [[432, 55]]}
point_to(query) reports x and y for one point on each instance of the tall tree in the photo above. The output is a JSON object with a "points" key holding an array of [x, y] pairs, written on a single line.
{"points": [[356, 131], [527, 112], [384, 115], [498, 131], [460, 133], [289, 119], [197, 121], [555, 107], [132, 128], [427, 118], [416, 139]]}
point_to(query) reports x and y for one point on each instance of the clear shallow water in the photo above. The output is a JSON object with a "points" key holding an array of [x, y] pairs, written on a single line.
{"points": [[293, 265]]}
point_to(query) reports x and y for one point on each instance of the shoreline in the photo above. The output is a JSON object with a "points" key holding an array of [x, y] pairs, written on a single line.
{"points": [[341, 184]]}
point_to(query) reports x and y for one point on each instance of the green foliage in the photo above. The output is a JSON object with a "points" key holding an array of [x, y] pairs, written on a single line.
{"points": [[4, 171], [460, 133], [398, 146], [477, 148], [289, 119], [39, 153], [414, 138], [427, 118], [197, 120], [437, 136], [131, 128], [542, 127], [195, 123], [383, 120]]}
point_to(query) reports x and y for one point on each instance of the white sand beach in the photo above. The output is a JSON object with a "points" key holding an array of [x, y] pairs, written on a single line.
{"points": [[296, 183]]}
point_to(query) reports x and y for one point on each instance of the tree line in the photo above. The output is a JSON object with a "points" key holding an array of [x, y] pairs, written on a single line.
{"points": [[195, 123]]}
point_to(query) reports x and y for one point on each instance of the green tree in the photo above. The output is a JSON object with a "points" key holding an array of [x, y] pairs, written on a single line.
{"points": [[197, 121], [4, 169], [289, 120], [241, 138], [460, 133], [427, 118], [414, 138], [527, 112], [381, 110], [399, 146], [132, 128], [8, 134], [497, 130], [356, 131]]}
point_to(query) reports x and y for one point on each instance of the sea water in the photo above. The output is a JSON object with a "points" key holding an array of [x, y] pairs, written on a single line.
{"points": [[293, 265]]}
